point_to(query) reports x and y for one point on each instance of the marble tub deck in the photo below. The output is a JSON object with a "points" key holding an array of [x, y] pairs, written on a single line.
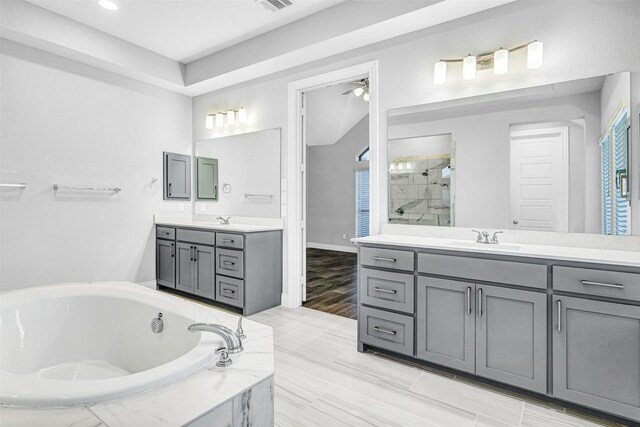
{"points": [[176, 404], [321, 380]]}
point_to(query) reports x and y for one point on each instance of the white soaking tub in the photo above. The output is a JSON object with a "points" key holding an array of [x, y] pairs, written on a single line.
{"points": [[74, 344]]}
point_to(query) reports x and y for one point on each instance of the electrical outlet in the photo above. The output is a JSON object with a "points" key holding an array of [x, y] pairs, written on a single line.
{"points": [[203, 207], [344, 237], [180, 207]]}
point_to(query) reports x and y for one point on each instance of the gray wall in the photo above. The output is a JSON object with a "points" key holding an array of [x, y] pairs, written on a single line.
{"points": [[331, 191], [68, 123]]}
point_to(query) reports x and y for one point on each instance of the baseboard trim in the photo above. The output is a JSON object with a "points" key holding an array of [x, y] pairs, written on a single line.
{"points": [[151, 284], [339, 248]]}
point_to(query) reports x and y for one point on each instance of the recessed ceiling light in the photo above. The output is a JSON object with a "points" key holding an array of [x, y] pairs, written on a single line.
{"points": [[108, 4]]}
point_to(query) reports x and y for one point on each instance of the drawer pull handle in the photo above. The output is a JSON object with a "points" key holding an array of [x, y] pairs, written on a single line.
{"points": [[228, 263], [228, 291], [386, 291], [604, 285], [559, 315], [469, 300], [381, 258], [228, 240], [480, 302], [384, 331]]}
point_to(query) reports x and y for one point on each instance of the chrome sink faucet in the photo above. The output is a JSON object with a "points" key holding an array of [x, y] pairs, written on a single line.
{"points": [[224, 221], [483, 237], [232, 340]]}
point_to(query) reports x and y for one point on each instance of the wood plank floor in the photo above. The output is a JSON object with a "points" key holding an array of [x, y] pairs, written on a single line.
{"points": [[332, 282], [322, 380]]}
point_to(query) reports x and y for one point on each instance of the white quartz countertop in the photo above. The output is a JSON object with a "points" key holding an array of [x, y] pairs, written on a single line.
{"points": [[598, 256], [174, 404], [216, 226]]}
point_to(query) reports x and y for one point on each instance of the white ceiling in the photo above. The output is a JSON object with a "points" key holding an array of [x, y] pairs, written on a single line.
{"points": [[184, 30], [330, 114]]}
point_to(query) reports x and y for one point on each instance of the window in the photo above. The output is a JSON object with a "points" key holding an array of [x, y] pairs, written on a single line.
{"points": [[362, 194], [614, 152]]}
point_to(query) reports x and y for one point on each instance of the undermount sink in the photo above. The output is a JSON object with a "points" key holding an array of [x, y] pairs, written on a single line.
{"points": [[474, 245]]}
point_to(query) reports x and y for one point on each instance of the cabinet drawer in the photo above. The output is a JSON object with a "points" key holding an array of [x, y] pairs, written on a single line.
{"points": [[387, 258], [227, 240], [230, 263], [386, 289], [386, 330], [165, 233], [488, 270], [612, 284], [229, 291], [195, 236]]}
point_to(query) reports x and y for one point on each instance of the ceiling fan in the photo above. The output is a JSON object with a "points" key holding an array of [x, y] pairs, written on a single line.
{"points": [[361, 88]]}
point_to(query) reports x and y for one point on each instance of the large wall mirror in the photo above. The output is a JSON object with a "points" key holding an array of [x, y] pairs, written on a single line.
{"points": [[549, 158], [248, 174]]}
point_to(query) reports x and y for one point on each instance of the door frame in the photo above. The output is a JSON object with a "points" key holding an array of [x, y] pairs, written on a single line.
{"points": [[295, 193]]}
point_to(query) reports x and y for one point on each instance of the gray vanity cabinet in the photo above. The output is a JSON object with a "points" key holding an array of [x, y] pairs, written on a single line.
{"points": [[185, 269], [165, 265], [596, 354], [445, 323], [196, 269], [511, 337], [177, 176]]}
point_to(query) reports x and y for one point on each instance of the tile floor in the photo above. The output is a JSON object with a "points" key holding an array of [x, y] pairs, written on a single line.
{"points": [[321, 380]]}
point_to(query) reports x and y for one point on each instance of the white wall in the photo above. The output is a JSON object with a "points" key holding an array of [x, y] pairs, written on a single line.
{"points": [[68, 123], [588, 39], [331, 192]]}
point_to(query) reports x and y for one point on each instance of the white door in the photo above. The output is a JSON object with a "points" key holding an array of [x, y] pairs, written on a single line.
{"points": [[303, 185], [540, 179]]}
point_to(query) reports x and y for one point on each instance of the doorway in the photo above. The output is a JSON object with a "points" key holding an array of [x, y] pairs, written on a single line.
{"points": [[336, 144], [298, 191]]}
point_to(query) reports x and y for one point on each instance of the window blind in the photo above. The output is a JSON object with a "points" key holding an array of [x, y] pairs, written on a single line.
{"points": [[362, 202], [605, 191], [621, 204]]}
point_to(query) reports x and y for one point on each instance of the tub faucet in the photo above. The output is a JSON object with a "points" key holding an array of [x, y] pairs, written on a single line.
{"points": [[232, 341], [224, 221]]}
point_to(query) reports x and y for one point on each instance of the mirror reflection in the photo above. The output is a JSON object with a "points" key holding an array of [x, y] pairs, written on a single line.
{"points": [[550, 158], [240, 174]]}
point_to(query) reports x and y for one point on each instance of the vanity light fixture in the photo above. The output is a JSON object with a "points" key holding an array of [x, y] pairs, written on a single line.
{"points": [[232, 116], [219, 120], [242, 115], [498, 60], [108, 4]]}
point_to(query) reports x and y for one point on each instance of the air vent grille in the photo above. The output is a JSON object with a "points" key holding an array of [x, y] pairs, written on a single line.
{"points": [[276, 5]]}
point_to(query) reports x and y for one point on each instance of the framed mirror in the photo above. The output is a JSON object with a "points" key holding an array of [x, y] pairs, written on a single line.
{"points": [[548, 158], [239, 175]]}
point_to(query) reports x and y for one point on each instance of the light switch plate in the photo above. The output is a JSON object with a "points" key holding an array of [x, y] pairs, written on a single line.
{"points": [[203, 207], [180, 207]]}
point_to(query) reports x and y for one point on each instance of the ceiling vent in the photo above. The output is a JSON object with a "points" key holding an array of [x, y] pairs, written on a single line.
{"points": [[275, 5]]}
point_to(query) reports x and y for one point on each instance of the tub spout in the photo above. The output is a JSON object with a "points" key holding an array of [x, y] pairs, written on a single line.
{"points": [[231, 339]]}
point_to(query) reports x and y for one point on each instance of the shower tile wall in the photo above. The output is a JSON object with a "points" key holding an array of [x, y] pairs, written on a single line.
{"points": [[420, 195]]}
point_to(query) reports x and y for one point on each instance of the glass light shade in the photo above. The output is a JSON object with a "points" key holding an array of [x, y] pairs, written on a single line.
{"points": [[469, 68], [107, 4], [534, 55], [209, 121], [440, 73], [231, 117], [501, 61], [219, 120], [242, 115], [366, 96], [358, 91]]}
